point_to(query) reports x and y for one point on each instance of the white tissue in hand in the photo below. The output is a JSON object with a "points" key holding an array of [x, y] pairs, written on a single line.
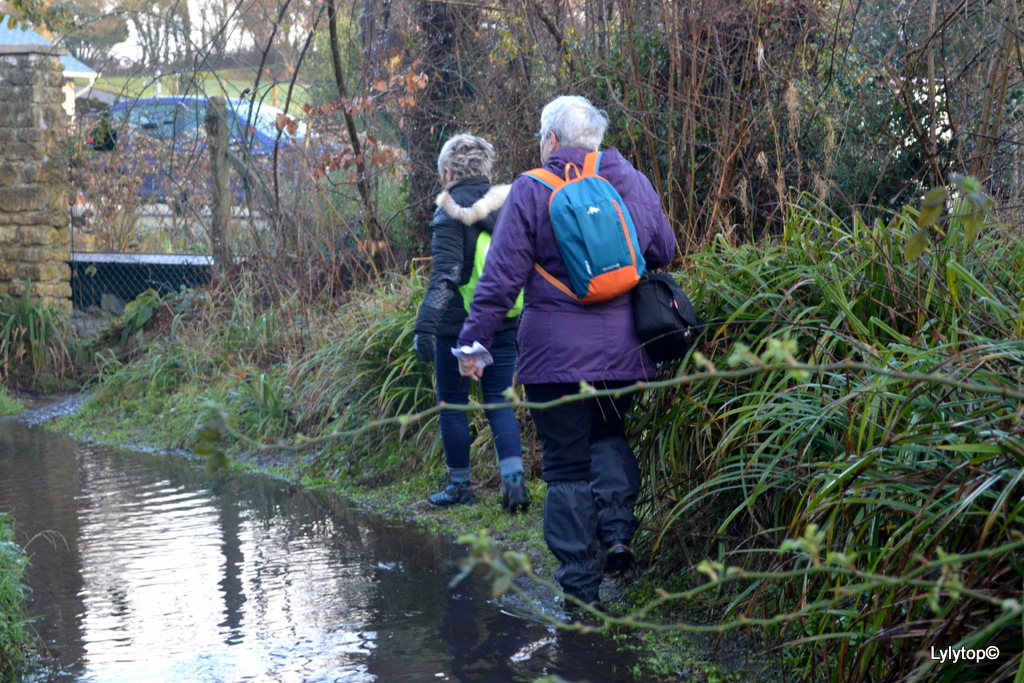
{"points": [[476, 351]]}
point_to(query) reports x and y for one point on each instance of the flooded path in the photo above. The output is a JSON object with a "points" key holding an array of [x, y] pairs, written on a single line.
{"points": [[146, 570]]}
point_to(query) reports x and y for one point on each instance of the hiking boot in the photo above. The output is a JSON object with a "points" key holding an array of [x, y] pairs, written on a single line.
{"points": [[514, 496], [617, 559], [454, 493]]}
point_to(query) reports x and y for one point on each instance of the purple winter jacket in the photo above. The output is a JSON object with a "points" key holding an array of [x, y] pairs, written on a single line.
{"points": [[560, 340]]}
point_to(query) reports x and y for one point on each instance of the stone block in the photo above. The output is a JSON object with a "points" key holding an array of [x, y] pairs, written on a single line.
{"points": [[18, 198], [61, 249], [29, 172], [38, 272], [33, 139], [27, 119], [31, 235], [17, 149], [39, 254], [56, 201], [9, 173], [59, 254], [32, 218], [56, 290]]}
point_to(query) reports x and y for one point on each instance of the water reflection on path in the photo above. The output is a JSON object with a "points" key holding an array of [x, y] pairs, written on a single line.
{"points": [[144, 569]]}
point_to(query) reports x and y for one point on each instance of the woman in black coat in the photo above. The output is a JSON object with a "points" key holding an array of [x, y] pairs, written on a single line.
{"points": [[468, 206]]}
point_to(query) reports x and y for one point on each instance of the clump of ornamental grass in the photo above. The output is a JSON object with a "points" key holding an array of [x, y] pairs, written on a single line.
{"points": [[852, 445], [34, 338], [370, 403]]}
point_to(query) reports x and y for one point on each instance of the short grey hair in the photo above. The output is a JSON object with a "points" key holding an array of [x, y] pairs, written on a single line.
{"points": [[575, 122], [467, 156]]}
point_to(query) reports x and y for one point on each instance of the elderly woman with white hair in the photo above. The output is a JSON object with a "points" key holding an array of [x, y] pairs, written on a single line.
{"points": [[468, 206], [592, 474]]}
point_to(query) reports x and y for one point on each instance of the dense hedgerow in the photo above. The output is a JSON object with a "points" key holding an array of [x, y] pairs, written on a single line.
{"points": [[876, 491]]}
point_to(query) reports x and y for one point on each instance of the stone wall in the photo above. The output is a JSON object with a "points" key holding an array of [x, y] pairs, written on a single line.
{"points": [[35, 237]]}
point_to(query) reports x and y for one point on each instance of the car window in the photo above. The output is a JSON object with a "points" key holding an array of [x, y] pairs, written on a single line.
{"points": [[153, 120], [183, 121], [264, 123], [166, 120]]}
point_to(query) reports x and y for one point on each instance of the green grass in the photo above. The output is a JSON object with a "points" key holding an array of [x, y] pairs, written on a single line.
{"points": [[9, 405], [226, 83], [16, 638], [895, 443]]}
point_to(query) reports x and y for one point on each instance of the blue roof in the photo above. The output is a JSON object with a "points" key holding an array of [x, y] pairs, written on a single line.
{"points": [[16, 35]]}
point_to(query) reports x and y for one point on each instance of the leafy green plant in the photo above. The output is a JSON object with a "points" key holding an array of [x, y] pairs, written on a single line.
{"points": [[370, 372], [263, 404], [137, 313], [972, 209]]}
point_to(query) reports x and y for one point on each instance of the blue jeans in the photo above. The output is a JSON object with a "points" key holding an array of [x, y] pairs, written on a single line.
{"points": [[453, 388]]}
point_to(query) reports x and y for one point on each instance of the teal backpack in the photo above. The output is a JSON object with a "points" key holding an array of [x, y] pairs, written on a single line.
{"points": [[483, 243], [594, 231]]}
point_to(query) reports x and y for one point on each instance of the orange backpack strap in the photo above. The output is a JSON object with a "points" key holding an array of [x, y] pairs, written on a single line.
{"points": [[547, 177], [590, 163], [555, 183], [554, 280]]}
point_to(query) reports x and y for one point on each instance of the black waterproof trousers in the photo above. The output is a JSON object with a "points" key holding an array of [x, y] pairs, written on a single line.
{"points": [[593, 480]]}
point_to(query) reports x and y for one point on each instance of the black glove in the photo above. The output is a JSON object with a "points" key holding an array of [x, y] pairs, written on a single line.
{"points": [[424, 344]]}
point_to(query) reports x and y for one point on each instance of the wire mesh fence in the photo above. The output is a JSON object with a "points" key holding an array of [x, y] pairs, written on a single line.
{"points": [[107, 281]]}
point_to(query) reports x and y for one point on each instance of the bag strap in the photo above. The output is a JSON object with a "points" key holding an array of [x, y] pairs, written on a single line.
{"points": [[546, 177], [591, 162], [555, 281]]}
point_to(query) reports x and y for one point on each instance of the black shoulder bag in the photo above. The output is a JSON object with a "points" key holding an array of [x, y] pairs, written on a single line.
{"points": [[665, 321]]}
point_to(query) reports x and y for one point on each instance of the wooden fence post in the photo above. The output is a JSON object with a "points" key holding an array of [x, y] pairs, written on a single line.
{"points": [[220, 194]]}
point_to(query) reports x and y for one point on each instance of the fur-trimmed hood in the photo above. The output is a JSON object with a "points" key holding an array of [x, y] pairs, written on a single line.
{"points": [[480, 209]]}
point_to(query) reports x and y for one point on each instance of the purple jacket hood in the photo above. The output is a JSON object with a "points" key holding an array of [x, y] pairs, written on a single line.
{"points": [[560, 340]]}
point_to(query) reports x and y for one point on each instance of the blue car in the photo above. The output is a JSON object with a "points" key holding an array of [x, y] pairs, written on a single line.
{"points": [[165, 138]]}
